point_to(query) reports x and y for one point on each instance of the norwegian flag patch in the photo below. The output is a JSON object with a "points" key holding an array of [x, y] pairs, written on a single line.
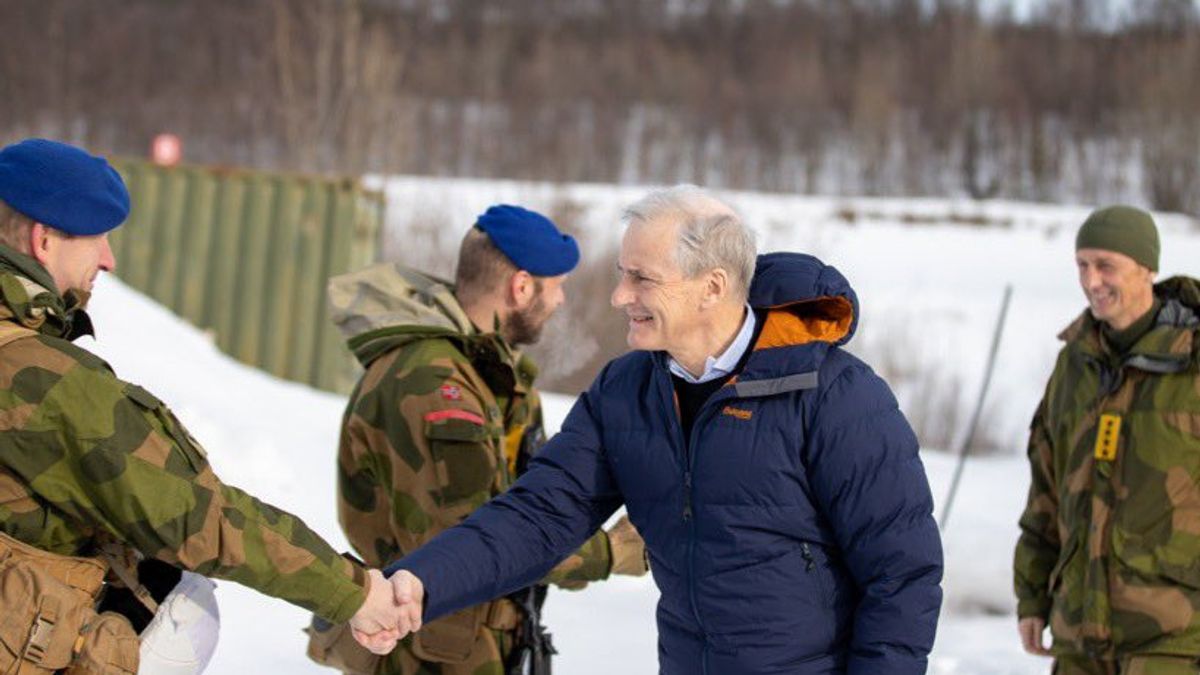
{"points": [[451, 392]]}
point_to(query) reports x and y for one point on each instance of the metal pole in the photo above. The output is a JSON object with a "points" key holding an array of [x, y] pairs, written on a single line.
{"points": [[987, 380]]}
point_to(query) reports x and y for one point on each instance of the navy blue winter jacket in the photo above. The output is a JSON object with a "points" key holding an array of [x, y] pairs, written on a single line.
{"points": [[792, 533]]}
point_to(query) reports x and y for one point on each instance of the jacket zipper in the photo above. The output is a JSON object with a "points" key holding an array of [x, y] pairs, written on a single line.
{"points": [[689, 461], [689, 518], [805, 552], [1111, 381], [687, 495]]}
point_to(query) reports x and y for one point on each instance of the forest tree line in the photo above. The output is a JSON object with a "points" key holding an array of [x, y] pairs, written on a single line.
{"points": [[877, 97]]}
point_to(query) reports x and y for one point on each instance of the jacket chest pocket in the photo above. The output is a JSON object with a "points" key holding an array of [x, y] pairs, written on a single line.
{"points": [[1158, 472], [464, 457], [1177, 440]]}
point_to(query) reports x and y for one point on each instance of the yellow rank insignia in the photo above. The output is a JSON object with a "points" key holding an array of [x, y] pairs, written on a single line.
{"points": [[1107, 437]]}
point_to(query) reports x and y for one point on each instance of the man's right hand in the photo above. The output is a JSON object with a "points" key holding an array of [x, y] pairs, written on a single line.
{"points": [[376, 625], [1031, 629], [409, 596]]}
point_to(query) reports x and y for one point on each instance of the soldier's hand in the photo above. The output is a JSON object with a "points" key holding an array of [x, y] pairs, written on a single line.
{"points": [[381, 643], [571, 584], [375, 624], [627, 549], [1031, 629], [409, 594]]}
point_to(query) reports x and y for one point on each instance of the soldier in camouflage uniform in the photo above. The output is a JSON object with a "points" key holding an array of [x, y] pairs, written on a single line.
{"points": [[1110, 538], [446, 415], [91, 462]]}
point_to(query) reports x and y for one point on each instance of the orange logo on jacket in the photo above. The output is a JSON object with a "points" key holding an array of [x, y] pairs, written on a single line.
{"points": [[737, 412]]}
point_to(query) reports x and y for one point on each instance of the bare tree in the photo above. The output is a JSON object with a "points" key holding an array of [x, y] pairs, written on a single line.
{"points": [[878, 96]]}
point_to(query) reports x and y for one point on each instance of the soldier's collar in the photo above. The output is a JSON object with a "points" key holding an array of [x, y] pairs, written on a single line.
{"points": [[504, 367], [12, 260], [527, 370], [34, 300], [1164, 349]]}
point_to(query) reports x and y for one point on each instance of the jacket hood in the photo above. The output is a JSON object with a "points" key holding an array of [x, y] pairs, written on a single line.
{"points": [[807, 307], [387, 305], [1181, 301], [806, 301], [29, 297]]}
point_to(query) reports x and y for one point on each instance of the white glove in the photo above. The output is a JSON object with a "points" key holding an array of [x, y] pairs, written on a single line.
{"points": [[182, 637]]}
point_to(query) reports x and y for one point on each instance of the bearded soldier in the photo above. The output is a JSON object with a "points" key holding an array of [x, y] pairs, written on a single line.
{"points": [[98, 477], [444, 418], [1110, 537]]}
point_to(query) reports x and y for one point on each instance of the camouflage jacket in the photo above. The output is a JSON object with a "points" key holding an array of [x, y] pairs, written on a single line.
{"points": [[1109, 550], [441, 421], [86, 456]]}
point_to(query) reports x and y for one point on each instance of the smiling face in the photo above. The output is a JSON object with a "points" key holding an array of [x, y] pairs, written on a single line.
{"points": [[664, 310], [1118, 289]]}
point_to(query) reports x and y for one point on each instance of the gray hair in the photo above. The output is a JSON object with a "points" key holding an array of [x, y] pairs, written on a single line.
{"points": [[711, 233]]}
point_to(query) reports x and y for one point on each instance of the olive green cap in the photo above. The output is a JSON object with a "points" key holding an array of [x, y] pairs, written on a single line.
{"points": [[1123, 229]]}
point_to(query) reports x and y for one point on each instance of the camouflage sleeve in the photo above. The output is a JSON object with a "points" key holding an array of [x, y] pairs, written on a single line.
{"points": [[591, 562], [418, 453], [124, 463], [1038, 547]]}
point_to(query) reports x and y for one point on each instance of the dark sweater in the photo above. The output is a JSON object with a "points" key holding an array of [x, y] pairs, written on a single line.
{"points": [[1123, 340], [691, 397]]}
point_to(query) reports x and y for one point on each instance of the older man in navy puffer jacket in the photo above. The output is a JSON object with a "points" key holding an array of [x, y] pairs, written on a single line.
{"points": [[785, 510]]}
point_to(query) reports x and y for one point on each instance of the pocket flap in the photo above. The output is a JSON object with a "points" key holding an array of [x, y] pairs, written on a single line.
{"points": [[142, 397], [450, 639]]}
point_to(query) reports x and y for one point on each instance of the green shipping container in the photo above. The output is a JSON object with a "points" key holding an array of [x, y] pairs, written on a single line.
{"points": [[245, 255]]}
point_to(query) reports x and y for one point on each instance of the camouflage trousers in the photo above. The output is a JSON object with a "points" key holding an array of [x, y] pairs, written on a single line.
{"points": [[1129, 665], [487, 658]]}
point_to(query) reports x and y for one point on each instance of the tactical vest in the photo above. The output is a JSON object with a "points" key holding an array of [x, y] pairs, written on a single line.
{"points": [[48, 617]]}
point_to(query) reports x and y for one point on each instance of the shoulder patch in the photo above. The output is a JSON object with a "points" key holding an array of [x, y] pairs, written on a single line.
{"points": [[454, 414], [461, 426], [451, 392]]}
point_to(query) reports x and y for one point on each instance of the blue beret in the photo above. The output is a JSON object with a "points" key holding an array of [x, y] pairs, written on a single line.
{"points": [[63, 187], [530, 240]]}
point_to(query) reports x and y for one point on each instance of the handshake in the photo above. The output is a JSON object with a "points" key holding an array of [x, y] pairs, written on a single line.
{"points": [[391, 611], [394, 606]]}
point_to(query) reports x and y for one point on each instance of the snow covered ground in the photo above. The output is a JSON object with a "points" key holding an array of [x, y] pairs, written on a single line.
{"points": [[939, 283]]}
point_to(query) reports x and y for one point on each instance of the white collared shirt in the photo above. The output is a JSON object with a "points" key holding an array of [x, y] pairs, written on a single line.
{"points": [[720, 366]]}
